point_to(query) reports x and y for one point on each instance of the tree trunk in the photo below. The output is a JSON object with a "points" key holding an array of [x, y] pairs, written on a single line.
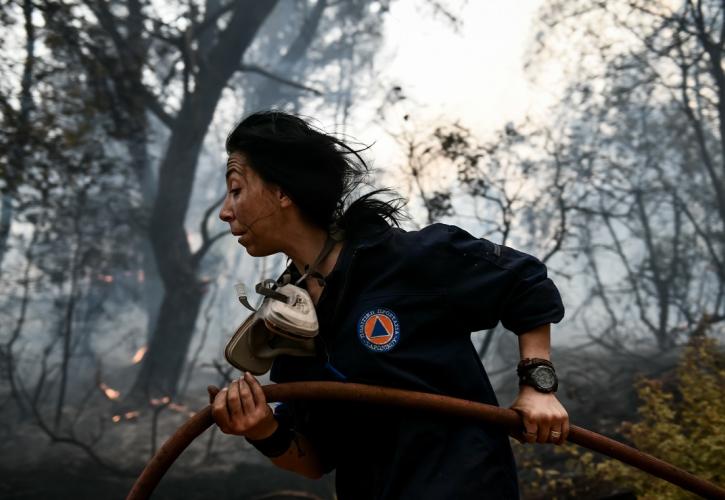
{"points": [[6, 217], [18, 153], [164, 361], [163, 364], [67, 328]]}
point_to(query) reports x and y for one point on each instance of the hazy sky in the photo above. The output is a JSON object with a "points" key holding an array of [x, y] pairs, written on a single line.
{"points": [[477, 72], [474, 75]]}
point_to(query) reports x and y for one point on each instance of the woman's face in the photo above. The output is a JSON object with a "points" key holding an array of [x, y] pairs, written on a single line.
{"points": [[252, 208]]}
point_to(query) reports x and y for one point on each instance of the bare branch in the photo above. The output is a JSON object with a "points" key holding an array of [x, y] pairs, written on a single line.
{"points": [[206, 240], [251, 68], [155, 106]]}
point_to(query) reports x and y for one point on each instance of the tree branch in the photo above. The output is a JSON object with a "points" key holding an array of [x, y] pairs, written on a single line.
{"points": [[206, 241], [205, 219], [155, 106], [251, 68], [211, 19]]}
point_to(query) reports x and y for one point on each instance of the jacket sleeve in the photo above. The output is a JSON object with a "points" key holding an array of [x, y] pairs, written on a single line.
{"points": [[309, 418], [299, 416], [486, 283]]}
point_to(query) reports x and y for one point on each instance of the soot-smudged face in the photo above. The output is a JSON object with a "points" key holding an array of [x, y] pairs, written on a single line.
{"points": [[252, 208]]}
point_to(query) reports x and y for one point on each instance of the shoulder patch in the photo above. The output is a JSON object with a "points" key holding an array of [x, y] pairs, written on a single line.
{"points": [[379, 329]]}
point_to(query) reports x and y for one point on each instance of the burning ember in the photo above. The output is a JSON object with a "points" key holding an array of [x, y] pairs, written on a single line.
{"points": [[139, 355], [106, 278], [110, 393]]}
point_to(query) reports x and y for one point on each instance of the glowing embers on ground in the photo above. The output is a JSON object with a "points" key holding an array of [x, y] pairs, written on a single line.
{"points": [[160, 401], [129, 415], [158, 405], [168, 403]]}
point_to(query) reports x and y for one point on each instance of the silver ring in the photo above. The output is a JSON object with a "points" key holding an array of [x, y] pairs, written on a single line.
{"points": [[555, 434]]}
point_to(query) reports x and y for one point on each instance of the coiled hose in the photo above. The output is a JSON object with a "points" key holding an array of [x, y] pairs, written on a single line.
{"points": [[444, 405]]}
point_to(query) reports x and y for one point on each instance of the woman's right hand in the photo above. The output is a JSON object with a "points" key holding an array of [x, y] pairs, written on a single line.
{"points": [[241, 409]]}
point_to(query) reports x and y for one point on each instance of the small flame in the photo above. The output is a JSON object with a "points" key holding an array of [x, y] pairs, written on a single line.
{"points": [[116, 419], [110, 393], [106, 278], [139, 355]]}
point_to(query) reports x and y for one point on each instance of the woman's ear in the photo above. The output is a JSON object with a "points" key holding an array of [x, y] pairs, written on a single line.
{"points": [[284, 200]]}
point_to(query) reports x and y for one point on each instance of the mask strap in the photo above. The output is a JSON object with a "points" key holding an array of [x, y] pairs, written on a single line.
{"points": [[268, 289], [265, 288], [311, 271]]}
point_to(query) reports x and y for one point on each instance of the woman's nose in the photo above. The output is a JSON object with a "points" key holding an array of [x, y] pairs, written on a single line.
{"points": [[225, 213]]}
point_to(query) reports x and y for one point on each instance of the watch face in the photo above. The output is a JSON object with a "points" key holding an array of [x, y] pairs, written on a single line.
{"points": [[544, 377]]}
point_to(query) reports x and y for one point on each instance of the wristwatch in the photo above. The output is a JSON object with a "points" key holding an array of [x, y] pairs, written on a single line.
{"points": [[538, 373]]}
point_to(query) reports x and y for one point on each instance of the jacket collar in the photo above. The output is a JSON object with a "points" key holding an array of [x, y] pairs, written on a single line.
{"points": [[371, 234]]}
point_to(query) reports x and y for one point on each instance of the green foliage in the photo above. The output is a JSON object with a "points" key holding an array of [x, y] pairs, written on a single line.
{"points": [[537, 480], [558, 473], [681, 420], [683, 424]]}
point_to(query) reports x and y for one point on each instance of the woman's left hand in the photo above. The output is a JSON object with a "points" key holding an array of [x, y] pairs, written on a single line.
{"points": [[545, 419]]}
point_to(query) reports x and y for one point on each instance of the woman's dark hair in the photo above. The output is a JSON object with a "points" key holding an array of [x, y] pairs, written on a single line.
{"points": [[318, 171]]}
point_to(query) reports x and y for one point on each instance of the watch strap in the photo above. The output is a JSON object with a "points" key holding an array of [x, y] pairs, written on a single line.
{"points": [[527, 364]]}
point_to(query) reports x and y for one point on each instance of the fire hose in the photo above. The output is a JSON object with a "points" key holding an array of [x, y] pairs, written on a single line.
{"points": [[444, 405]]}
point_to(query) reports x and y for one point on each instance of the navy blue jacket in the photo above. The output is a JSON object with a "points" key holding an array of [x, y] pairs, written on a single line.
{"points": [[397, 311]]}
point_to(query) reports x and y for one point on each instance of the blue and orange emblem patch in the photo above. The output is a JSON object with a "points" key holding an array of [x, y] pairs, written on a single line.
{"points": [[379, 329]]}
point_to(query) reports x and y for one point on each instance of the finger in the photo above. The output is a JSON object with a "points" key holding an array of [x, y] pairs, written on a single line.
{"points": [[257, 391], [530, 431], [544, 430], [555, 434], [523, 434], [234, 404], [246, 394], [219, 410], [564, 431], [213, 391], [559, 427]]}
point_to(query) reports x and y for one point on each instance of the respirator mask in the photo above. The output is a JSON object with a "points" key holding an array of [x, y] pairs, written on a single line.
{"points": [[285, 322]]}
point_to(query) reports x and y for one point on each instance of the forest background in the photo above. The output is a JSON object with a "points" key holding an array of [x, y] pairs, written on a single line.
{"points": [[589, 134]]}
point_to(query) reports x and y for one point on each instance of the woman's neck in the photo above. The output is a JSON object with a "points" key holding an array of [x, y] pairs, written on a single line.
{"points": [[305, 246]]}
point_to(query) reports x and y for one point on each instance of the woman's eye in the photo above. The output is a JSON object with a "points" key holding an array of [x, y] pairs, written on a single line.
{"points": [[234, 191]]}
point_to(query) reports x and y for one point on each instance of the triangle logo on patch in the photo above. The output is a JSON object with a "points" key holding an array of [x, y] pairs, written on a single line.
{"points": [[379, 330]]}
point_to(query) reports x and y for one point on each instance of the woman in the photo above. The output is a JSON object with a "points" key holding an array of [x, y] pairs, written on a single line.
{"points": [[395, 308]]}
